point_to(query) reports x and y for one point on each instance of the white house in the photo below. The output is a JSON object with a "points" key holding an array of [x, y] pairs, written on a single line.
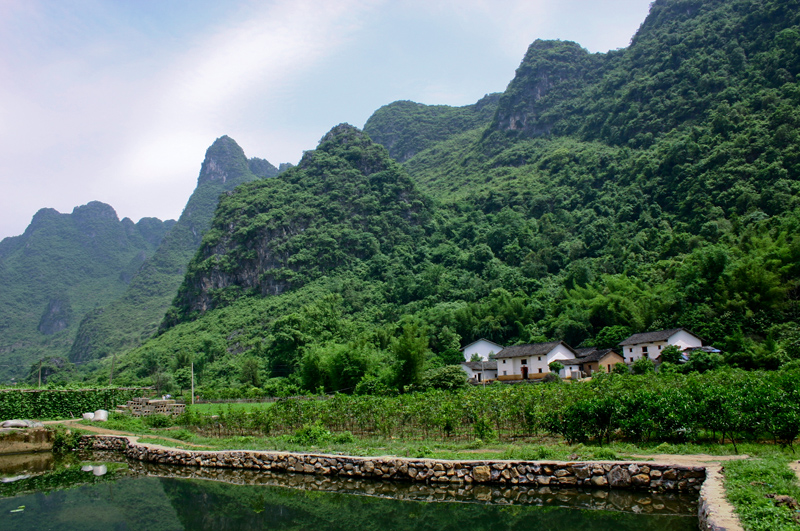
{"points": [[480, 371], [481, 347], [525, 362], [650, 344]]}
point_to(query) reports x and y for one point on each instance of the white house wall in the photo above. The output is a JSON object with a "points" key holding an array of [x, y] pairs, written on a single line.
{"points": [[535, 364], [482, 348], [560, 353], [682, 339], [486, 374]]}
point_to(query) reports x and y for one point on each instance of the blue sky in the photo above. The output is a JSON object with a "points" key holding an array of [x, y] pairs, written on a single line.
{"points": [[117, 101]]}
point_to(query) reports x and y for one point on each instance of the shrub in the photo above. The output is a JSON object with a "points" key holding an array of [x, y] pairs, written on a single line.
{"points": [[344, 437], [643, 366], [556, 366], [447, 378], [671, 354], [157, 421], [483, 430], [311, 434], [621, 368]]}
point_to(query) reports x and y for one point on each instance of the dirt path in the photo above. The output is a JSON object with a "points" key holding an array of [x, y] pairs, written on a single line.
{"points": [[690, 459], [795, 465], [94, 428]]}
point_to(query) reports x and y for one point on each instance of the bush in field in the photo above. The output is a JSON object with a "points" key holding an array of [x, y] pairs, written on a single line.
{"points": [[620, 368], [157, 421], [643, 366], [311, 434], [671, 354], [703, 361], [556, 366], [448, 378]]}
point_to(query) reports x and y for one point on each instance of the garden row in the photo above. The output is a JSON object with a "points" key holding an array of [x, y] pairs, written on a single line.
{"points": [[61, 403], [727, 404]]}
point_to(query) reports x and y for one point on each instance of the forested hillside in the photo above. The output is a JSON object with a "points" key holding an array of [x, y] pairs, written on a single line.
{"points": [[650, 187], [405, 128], [134, 317], [62, 267]]}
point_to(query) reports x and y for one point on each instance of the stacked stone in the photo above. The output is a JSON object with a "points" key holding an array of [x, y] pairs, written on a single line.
{"points": [[651, 477], [143, 407]]}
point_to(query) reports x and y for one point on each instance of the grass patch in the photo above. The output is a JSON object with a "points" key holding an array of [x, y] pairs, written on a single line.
{"points": [[748, 482]]}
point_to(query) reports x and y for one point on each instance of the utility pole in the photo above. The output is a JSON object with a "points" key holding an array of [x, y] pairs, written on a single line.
{"points": [[40, 373], [113, 362], [192, 383]]}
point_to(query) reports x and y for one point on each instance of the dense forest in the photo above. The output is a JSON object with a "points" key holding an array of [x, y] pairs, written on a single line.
{"points": [[650, 187], [59, 269]]}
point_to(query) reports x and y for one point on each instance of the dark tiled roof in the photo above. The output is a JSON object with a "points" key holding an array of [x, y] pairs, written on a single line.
{"points": [[581, 352], [595, 355], [476, 365], [532, 349], [650, 337]]}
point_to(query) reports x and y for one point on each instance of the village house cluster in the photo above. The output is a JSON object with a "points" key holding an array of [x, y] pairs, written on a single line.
{"points": [[486, 361]]}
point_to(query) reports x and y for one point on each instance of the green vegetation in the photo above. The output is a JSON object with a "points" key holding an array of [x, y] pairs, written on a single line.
{"points": [[61, 268], [651, 187], [727, 405], [405, 128], [756, 486], [60, 403], [134, 317]]}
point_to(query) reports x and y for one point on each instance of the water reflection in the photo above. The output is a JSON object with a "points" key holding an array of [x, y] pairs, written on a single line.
{"points": [[158, 497]]}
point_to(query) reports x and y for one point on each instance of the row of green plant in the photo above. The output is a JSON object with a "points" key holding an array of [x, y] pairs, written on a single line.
{"points": [[718, 405], [60, 403]]}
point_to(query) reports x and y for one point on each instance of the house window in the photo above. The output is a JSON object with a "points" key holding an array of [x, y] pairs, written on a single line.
{"points": [[505, 373], [504, 362], [659, 347], [540, 370], [524, 362], [644, 352], [630, 349], [540, 358], [631, 359]]}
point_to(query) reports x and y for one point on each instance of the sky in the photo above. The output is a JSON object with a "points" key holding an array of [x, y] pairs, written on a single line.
{"points": [[118, 100]]}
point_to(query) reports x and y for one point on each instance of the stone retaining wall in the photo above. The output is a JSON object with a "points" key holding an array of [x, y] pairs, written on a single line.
{"points": [[16, 440], [594, 499], [638, 476]]}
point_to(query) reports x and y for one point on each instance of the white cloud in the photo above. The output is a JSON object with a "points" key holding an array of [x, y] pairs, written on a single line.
{"points": [[118, 101]]}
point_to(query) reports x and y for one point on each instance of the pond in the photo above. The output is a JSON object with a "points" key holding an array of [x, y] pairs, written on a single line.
{"points": [[103, 491]]}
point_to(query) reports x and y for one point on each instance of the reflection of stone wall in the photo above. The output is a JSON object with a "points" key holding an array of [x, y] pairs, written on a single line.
{"points": [[578, 498], [637, 476]]}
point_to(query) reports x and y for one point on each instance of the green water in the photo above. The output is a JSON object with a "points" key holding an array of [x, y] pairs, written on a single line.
{"points": [[131, 497]]}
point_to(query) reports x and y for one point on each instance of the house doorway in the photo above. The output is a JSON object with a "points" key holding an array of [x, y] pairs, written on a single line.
{"points": [[524, 373]]}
